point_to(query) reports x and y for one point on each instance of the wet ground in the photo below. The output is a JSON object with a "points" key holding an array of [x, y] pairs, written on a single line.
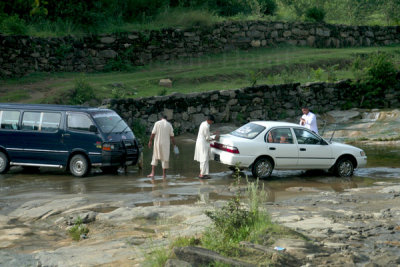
{"points": [[133, 215], [182, 185]]}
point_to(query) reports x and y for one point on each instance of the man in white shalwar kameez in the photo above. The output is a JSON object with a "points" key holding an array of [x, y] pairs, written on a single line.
{"points": [[163, 135], [309, 120], [202, 151]]}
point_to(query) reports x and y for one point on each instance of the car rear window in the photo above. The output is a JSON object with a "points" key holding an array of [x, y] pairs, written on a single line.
{"points": [[248, 131]]}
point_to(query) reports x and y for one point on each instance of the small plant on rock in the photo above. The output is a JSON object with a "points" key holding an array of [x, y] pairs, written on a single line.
{"points": [[79, 230]]}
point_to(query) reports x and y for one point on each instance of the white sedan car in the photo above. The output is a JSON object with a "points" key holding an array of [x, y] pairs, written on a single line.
{"points": [[263, 146]]}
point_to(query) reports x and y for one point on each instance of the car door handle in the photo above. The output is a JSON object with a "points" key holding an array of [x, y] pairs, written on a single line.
{"points": [[303, 149], [272, 148], [65, 135]]}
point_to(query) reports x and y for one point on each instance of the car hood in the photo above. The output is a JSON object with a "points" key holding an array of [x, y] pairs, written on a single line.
{"points": [[345, 146]]}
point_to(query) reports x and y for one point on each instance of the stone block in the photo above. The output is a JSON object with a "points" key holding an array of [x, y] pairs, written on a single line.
{"points": [[165, 83]]}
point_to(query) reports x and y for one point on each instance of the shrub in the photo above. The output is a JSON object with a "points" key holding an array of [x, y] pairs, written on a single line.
{"points": [[82, 92], [375, 74], [268, 7], [185, 18], [234, 222], [13, 25], [78, 230], [315, 14]]}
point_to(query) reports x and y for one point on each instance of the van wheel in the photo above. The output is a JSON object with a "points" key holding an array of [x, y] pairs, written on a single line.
{"points": [[79, 166], [4, 163], [262, 168], [344, 168]]}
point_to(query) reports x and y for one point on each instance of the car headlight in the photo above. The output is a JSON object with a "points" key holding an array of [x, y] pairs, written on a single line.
{"points": [[362, 153], [108, 147]]}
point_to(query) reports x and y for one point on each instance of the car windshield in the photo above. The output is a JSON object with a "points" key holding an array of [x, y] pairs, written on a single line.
{"points": [[110, 122], [248, 131]]}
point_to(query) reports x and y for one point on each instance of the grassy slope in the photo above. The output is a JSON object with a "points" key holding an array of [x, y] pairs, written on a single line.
{"points": [[211, 72]]}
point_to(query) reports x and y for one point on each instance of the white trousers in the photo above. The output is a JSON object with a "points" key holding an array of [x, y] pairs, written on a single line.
{"points": [[164, 164], [204, 167]]}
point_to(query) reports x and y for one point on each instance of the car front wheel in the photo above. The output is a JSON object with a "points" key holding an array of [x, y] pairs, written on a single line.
{"points": [[344, 168], [262, 168], [79, 166]]}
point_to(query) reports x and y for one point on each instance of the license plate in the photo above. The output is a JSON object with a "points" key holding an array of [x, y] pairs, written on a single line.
{"points": [[216, 157]]}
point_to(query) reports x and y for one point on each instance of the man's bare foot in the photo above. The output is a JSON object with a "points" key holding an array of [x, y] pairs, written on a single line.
{"points": [[151, 175]]}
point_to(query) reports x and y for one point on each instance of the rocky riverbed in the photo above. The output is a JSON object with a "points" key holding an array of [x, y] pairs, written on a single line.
{"points": [[356, 227]]}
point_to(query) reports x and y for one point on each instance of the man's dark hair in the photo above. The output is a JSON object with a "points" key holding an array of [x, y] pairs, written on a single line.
{"points": [[163, 116], [211, 118]]}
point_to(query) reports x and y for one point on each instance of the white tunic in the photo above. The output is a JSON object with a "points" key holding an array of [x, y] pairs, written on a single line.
{"points": [[202, 151], [310, 121], [162, 131]]}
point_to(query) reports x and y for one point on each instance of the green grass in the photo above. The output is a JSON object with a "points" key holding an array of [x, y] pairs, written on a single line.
{"points": [[210, 72], [14, 96]]}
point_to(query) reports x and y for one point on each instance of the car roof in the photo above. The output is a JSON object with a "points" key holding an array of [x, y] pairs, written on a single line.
{"points": [[51, 107], [270, 124]]}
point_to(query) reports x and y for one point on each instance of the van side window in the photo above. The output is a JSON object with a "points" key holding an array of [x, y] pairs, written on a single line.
{"points": [[50, 122], [79, 122], [41, 121], [9, 119], [31, 121]]}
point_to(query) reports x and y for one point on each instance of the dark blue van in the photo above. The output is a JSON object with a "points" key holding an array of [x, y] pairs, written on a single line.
{"points": [[71, 137]]}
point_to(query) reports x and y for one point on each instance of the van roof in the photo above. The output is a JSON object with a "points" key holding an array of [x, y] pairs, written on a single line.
{"points": [[50, 107]]}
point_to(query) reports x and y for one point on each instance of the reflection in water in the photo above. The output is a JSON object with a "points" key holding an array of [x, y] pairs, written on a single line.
{"points": [[158, 192], [204, 192], [182, 185]]}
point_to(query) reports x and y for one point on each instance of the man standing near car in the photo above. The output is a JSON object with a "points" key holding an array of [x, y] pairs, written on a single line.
{"points": [[309, 120], [202, 151], [163, 135]]}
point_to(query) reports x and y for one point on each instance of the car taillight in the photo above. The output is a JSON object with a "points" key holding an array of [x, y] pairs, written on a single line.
{"points": [[230, 149]]}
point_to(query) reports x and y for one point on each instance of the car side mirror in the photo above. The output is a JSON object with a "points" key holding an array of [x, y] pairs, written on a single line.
{"points": [[323, 142], [93, 129]]}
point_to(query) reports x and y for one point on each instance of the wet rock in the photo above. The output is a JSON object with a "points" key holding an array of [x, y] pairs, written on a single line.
{"points": [[390, 189], [41, 209], [85, 217], [177, 263], [12, 260], [203, 257]]}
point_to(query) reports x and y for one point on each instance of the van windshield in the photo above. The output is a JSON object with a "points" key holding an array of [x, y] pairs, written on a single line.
{"points": [[110, 122]]}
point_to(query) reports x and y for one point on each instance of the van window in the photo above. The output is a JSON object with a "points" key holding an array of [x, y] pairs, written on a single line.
{"points": [[41, 121], [50, 122], [80, 122], [31, 121], [9, 119]]}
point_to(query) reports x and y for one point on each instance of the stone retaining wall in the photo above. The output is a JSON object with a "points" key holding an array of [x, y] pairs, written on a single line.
{"points": [[277, 102], [20, 55]]}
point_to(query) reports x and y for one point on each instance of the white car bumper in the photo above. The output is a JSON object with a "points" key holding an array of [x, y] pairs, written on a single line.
{"points": [[361, 162], [231, 159]]}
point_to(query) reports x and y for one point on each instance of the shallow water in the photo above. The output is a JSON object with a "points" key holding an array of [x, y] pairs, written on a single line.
{"points": [[182, 184]]}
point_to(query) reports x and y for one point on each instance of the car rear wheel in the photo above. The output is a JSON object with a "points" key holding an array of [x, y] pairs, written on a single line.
{"points": [[79, 166], [4, 163], [262, 168], [344, 168]]}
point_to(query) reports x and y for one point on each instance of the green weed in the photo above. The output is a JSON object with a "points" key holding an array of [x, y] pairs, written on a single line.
{"points": [[78, 230]]}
